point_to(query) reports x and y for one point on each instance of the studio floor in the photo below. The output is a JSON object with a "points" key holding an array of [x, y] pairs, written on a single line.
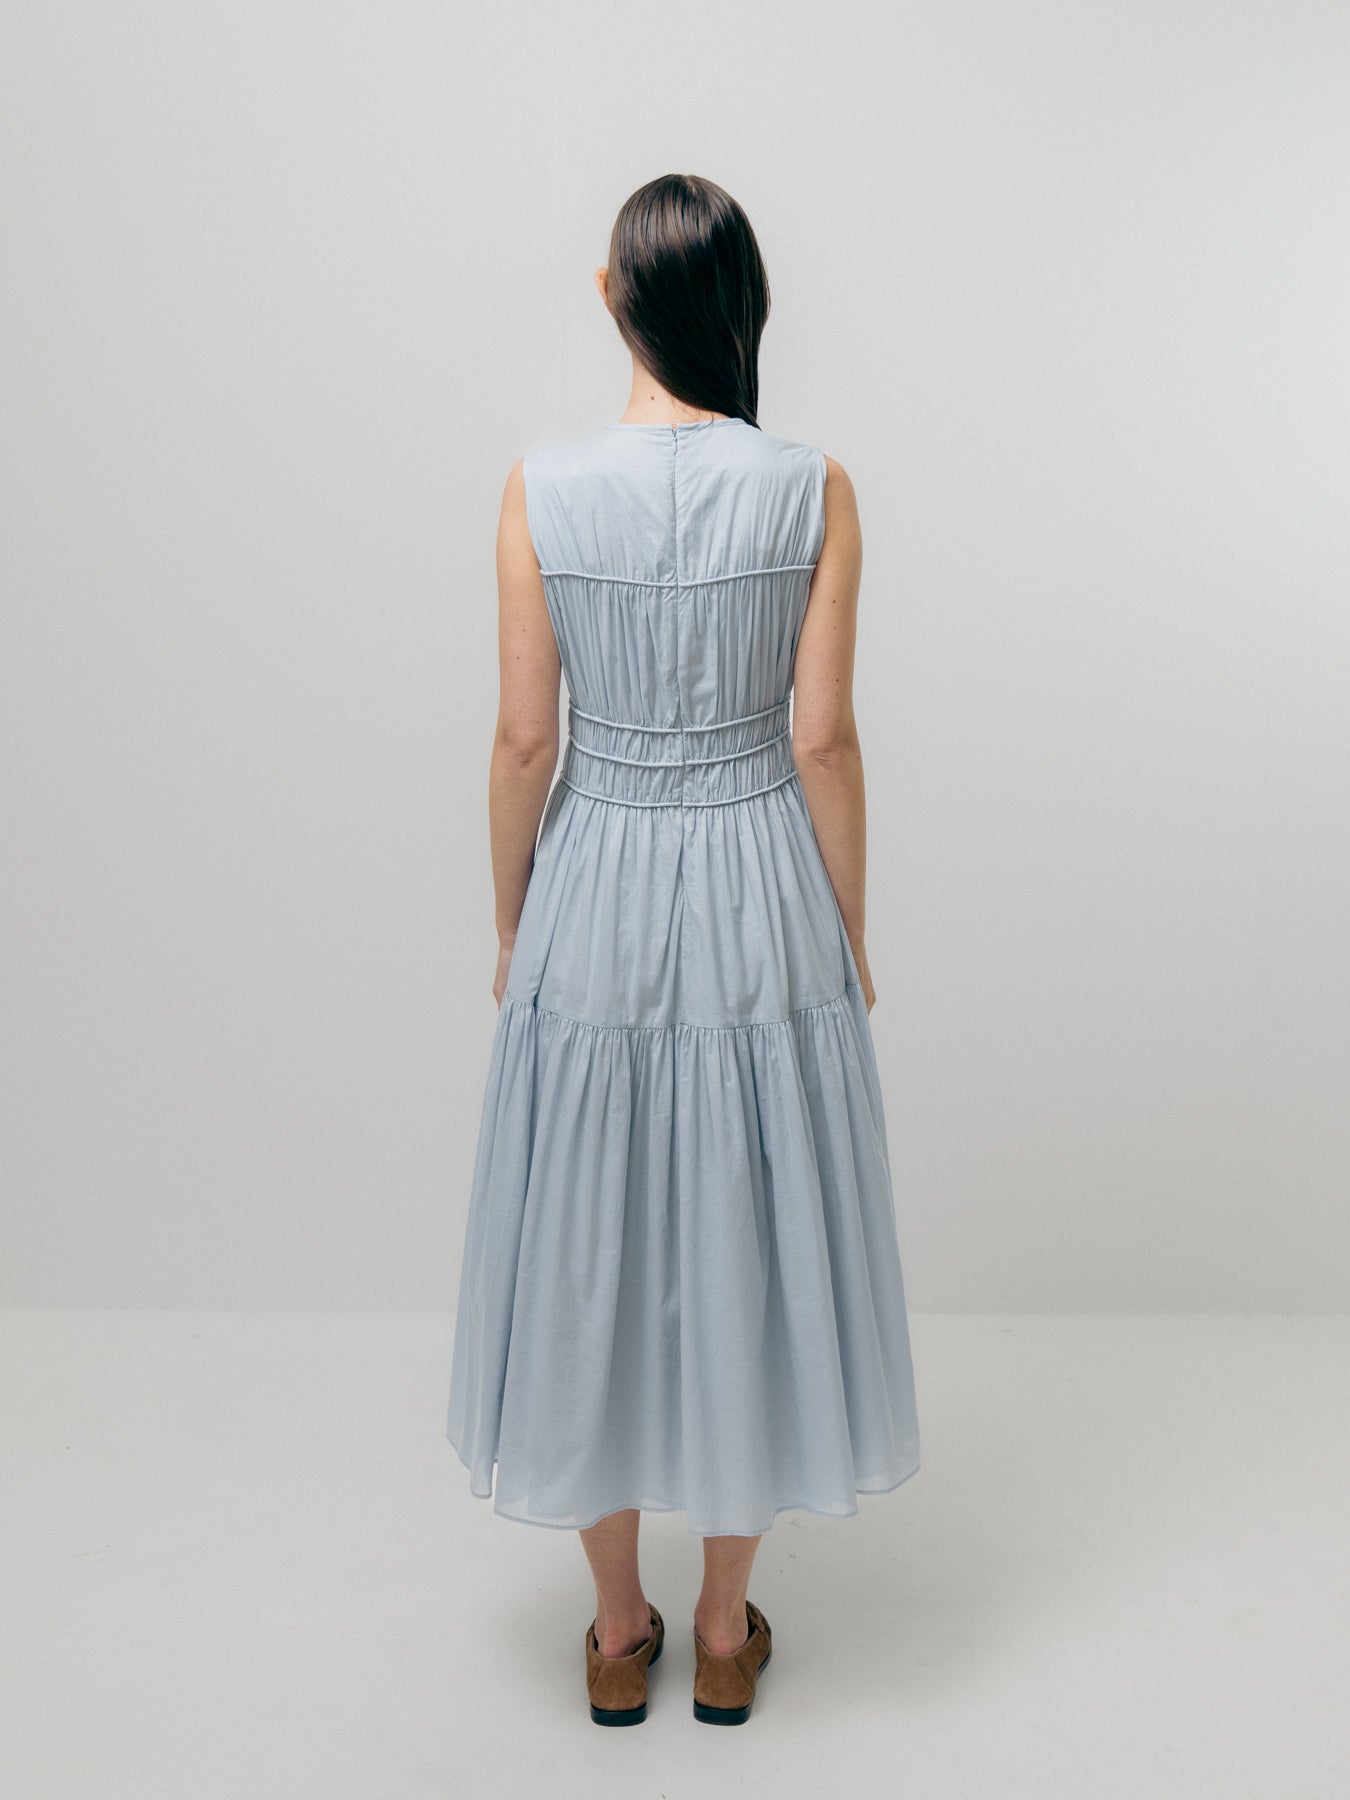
{"points": [[241, 1559]]}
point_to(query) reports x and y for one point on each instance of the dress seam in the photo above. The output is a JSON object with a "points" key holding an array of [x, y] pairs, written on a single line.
{"points": [[726, 800], [642, 725], [690, 762], [680, 581], [833, 1002]]}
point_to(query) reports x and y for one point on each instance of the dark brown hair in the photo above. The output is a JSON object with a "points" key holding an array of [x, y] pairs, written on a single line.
{"points": [[689, 292]]}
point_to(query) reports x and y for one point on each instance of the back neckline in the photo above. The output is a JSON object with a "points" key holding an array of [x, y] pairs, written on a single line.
{"points": [[670, 424]]}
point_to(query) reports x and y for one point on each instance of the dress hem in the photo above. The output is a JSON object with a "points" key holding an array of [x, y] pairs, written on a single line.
{"points": [[888, 1485]]}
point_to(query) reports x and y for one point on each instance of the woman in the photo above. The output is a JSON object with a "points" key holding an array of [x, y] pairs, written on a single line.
{"points": [[681, 1286]]}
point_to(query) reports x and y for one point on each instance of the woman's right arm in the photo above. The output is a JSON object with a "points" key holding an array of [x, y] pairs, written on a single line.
{"points": [[825, 743]]}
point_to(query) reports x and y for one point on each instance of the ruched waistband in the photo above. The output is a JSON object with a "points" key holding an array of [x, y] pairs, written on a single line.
{"points": [[678, 765]]}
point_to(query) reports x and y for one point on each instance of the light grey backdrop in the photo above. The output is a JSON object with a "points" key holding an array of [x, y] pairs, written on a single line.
{"points": [[288, 289]]}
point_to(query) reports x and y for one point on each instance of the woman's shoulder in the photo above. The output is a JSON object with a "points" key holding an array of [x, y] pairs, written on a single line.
{"points": [[736, 459], [557, 454], [605, 443]]}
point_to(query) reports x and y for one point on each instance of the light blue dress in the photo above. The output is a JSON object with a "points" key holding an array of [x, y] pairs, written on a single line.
{"points": [[681, 1286]]}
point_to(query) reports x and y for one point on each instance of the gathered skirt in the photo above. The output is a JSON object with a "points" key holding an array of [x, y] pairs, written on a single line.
{"points": [[681, 1285]]}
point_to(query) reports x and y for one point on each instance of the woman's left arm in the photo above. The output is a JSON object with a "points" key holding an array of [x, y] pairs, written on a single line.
{"points": [[525, 748]]}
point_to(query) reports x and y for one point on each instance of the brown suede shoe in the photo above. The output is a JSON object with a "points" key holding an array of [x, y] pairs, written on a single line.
{"points": [[617, 1685], [724, 1686]]}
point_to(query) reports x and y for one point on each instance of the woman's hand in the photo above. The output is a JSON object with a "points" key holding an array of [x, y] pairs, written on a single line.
{"points": [[507, 945], [864, 973]]}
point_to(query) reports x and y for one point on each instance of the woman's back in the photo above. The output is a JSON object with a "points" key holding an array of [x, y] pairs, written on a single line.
{"points": [[677, 564], [677, 561]]}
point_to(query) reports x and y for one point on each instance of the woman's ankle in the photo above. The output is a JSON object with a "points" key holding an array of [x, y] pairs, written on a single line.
{"points": [[621, 1636], [723, 1632]]}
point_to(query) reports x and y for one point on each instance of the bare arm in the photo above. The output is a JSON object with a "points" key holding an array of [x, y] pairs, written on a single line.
{"points": [[825, 743], [525, 748]]}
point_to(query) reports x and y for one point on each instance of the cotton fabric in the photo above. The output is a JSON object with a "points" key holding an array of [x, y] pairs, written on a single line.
{"points": [[681, 1285]]}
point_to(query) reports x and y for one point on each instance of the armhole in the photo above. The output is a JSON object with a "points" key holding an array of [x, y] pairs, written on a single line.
{"points": [[818, 474]]}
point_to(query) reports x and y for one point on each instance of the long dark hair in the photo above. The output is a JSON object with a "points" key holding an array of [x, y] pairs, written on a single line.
{"points": [[689, 293]]}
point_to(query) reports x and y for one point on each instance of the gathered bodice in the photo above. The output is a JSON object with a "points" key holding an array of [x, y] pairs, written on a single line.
{"points": [[677, 562]]}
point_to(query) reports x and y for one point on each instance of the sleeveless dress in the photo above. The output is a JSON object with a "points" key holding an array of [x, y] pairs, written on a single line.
{"points": [[681, 1286]]}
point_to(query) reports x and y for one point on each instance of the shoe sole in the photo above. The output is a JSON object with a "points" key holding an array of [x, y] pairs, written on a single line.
{"points": [[729, 1715], [631, 1715]]}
